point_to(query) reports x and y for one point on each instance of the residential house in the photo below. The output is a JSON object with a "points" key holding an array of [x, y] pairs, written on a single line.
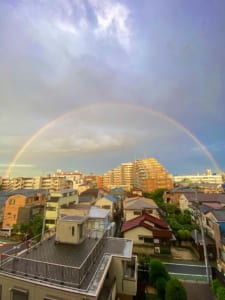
{"points": [[109, 202], [173, 196], [188, 199], [148, 229], [207, 216], [56, 199], [219, 230], [70, 265], [137, 206], [19, 205]]}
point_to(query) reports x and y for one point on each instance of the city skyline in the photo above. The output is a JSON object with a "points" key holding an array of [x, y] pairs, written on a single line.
{"points": [[88, 85]]}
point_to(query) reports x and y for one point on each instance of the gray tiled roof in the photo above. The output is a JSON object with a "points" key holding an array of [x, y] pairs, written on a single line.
{"points": [[219, 214]]}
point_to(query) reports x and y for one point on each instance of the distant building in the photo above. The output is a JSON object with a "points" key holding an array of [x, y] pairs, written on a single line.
{"points": [[48, 183], [53, 204], [145, 174], [208, 177], [75, 176], [19, 206], [150, 175]]}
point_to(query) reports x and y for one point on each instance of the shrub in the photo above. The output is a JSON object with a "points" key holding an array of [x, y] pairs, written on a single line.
{"points": [[218, 289], [175, 290], [161, 287], [157, 270]]}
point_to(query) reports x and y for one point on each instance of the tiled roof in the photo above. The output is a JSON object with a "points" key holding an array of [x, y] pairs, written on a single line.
{"points": [[140, 221], [203, 197], [139, 203], [27, 192], [111, 198], [93, 192], [219, 214], [213, 205], [86, 198]]}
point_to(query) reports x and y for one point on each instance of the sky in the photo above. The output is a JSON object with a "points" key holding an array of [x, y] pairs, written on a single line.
{"points": [[89, 84]]}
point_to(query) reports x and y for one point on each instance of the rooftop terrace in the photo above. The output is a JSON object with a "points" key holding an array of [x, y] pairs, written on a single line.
{"points": [[79, 267]]}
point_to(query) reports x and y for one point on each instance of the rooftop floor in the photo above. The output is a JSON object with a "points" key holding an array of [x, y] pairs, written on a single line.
{"points": [[76, 266]]}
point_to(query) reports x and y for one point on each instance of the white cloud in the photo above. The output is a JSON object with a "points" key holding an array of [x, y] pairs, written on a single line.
{"points": [[112, 18]]}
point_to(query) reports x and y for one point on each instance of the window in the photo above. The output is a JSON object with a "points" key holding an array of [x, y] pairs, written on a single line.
{"points": [[51, 208], [72, 230], [12, 201], [0, 292], [137, 213], [50, 222], [19, 294], [106, 206]]}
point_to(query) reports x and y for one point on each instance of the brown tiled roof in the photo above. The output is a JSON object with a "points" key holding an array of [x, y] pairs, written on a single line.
{"points": [[140, 221]]}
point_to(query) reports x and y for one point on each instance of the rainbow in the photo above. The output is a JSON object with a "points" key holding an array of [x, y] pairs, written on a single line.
{"points": [[120, 104]]}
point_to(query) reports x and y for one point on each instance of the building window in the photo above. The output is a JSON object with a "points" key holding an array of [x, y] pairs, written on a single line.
{"points": [[19, 294], [50, 222], [0, 292], [137, 213], [72, 230], [106, 206], [12, 201], [51, 208]]}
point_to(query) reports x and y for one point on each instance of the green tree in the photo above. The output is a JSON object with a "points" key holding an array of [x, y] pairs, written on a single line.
{"points": [[36, 225], [157, 196], [175, 290], [183, 234], [157, 270], [218, 289], [172, 209], [15, 228], [161, 287]]}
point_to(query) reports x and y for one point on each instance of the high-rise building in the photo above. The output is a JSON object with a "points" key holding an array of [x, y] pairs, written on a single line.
{"points": [[146, 174], [150, 175]]}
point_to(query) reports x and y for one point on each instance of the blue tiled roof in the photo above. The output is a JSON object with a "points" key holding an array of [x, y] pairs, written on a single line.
{"points": [[111, 198]]}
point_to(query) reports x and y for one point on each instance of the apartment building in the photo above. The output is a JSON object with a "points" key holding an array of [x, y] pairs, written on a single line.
{"points": [[70, 265], [55, 201], [19, 204], [199, 178], [146, 174], [48, 183], [150, 175]]}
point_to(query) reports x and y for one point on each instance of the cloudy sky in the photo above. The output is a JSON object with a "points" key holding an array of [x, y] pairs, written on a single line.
{"points": [[89, 84]]}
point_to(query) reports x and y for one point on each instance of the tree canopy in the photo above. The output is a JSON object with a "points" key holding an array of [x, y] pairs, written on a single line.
{"points": [[175, 290]]}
